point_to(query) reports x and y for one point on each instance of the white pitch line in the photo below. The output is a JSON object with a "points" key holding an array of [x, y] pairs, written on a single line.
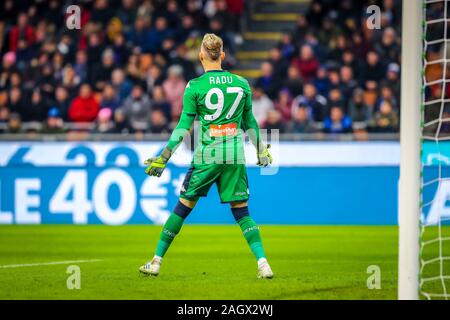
{"points": [[46, 263]]}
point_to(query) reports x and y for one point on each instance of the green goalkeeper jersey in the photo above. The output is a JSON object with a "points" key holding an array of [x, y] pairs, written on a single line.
{"points": [[223, 103]]}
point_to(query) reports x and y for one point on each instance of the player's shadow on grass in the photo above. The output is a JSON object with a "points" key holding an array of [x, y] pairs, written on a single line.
{"points": [[309, 291]]}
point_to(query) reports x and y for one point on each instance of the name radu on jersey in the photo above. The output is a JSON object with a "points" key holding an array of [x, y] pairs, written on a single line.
{"points": [[220, 80]]}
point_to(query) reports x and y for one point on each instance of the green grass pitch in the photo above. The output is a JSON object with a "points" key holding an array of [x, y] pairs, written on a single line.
{"points": [[204, 262]]}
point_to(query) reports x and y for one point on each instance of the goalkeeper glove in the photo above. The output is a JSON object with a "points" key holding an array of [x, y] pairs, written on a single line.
{"points": [[264, 157], [156, 165]]}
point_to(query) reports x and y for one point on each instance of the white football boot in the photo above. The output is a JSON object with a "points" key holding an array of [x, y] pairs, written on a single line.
{"points": [[152, 267], [264, 270]]}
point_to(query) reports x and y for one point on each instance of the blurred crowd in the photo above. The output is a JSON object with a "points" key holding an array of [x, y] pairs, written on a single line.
{"points": [[126, 69], [334, 73]]}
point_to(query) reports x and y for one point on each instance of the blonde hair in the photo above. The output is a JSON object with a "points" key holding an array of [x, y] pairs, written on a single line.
{"points": [[212, 45]]}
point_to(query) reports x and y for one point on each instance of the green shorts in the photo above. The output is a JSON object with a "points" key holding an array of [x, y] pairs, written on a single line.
{"points": [[231, 180]]}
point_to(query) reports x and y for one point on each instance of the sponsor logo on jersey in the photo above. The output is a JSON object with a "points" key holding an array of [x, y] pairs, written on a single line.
{"points": [[223, 130]]}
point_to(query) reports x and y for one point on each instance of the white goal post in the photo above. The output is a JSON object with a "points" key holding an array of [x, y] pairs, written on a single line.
{"points": [[410, 148]]}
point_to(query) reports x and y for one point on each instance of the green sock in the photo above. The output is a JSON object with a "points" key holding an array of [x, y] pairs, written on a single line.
{"points": [[251, 233], [170, 230]]}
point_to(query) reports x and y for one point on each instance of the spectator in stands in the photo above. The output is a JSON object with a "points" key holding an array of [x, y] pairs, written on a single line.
{"points": [[316, 103], [104, 122], [391, 11], [444, 126], [261, 105], [328, 31], [371, 94], [221, 12], [137, 108], [320, 50], [54, 123], [267, 81], [287, 46], [153, 77], [181, 59], [359, 111], [17, 103], [8, 67], [386, 94], [293, 82], [337, 46], [158, 34], [101, 73], [58, 66], [133, 72], [194, 9], [284, 104], [279, 64], [301, 122], [47, 82], [337, 122], [109, 98], [8, 12], [4, 118], [70, 81], [113, 30], [121, 84], [186, 28], [348, 60], [84, 107], [322, 81], [300, 28], [160, 102], [139, 35], [172, 14], [15, 80], [306, 63], [274, 122], [347, 83], [4, 110], [127, 14], [335, 99], [372, 69], [168, 48], [388, 48], [37, 109], [24, 54], [14, 123], [121, 124], [333, 78], [174, 89], [158, 122], [393, 79], [3, 99], [385, 120], [101, 13], [62, 102], [315, 14], [216, 26], [22, 31], [121, 50], [94, 50]]}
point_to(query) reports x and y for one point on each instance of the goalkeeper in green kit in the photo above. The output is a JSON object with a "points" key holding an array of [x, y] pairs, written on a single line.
{"points": [[223, 103]]}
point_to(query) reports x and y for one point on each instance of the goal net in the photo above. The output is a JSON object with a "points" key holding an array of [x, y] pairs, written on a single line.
{"points": [[434, 272]]}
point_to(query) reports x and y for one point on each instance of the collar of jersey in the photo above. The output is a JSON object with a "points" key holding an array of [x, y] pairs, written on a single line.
{"points": [[216, 71]]}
